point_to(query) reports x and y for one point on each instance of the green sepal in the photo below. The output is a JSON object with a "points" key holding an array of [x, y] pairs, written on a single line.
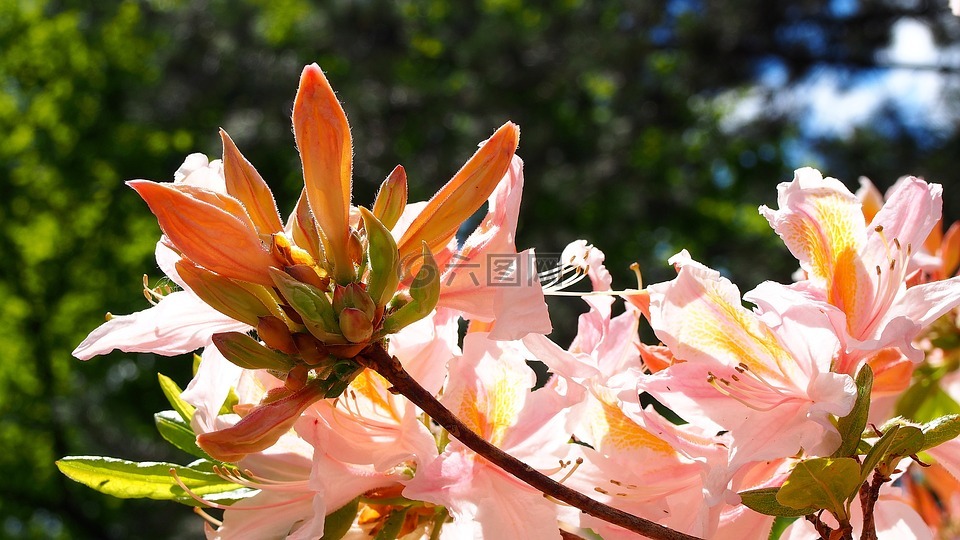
{"points": [[311, 304], [248, 353], [852, 425], [764, 501], [148, 480], [178, 433], [384, 275], [172, 392], [907, 441], [821, 483], [424, 295], [940, 430], [392, 525], [337, 523]]}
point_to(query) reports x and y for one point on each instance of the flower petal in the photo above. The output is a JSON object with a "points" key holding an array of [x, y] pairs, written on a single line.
{"points": [[214, 236], [462, 195], [246, 185], [326, 150], [178, 324]]}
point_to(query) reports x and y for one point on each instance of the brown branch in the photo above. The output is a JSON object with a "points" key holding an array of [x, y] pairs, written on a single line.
{"points": [[868, 503], [375, 358]]}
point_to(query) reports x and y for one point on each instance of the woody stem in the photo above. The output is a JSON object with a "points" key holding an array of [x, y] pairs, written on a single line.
{"points": [[377, 359]]}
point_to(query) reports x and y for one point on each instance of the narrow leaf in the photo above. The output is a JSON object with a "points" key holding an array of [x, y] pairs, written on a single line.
{"points": [[392, 525], [178, 433], [764, 501], [248, 353], [384, 275], [852, 425], [311, 304], [877, 452], [941, 430], [337, 523], [424, 294], [172, 392], [149, 480]]}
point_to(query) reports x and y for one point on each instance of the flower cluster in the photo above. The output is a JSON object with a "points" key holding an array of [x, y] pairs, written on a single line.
{"points": [[337, 395]]}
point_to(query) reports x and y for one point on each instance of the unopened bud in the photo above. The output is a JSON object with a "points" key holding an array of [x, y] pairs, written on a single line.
{"points": [[355, 247], [310, 349], [354, 296], [355, 325], [276, 335], [296, 378]]}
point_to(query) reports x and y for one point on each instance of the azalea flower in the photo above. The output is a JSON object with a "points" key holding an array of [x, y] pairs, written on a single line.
{"points": [[634, 459], [489, 389], [861, 270], [333, 280], [298, 483], [179, 321], [764, 379]]}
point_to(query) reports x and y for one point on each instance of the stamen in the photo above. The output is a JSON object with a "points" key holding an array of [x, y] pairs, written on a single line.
{"points": [[559, 278], [155, 294], [211, 504], [207, 517], [571, 471]]}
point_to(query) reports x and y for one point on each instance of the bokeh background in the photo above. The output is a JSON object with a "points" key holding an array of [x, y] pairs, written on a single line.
{"points": [[647, 126]]}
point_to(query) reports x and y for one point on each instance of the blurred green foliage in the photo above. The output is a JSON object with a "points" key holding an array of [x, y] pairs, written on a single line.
{"points": [[622, 136]]}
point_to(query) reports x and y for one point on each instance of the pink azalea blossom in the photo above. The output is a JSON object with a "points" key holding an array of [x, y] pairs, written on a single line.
{"points": [[179, 322], [767, 381], [486, 278], [489, 389], [861, 270]]}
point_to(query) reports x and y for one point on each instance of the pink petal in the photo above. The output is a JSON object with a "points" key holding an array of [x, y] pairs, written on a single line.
{"points": [[178, 324]]}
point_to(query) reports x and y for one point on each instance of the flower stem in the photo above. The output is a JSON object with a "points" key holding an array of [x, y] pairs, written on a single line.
{"points": [[377, 359]]}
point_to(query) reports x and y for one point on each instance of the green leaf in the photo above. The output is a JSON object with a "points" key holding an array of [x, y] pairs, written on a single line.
{"points": [[384, 276], [178, 433], [764, 501], [779, 526], [311, 304], [877, 452], [821, 483], [424, 294], [852, 425], [148, 480], [906, 439], [338, 522], [392, 525], [937, 404], [940, 430], [246, 352], [172, 392], [925, 400]]}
